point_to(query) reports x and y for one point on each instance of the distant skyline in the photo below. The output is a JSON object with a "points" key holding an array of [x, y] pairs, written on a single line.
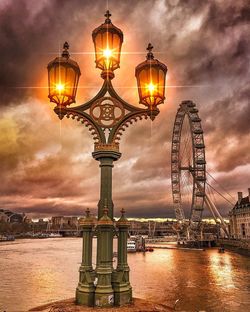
{"points": [[46, 165], [208, 220]]}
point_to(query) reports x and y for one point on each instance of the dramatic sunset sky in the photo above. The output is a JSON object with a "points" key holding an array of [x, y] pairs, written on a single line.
{"points": [[46, 165]]}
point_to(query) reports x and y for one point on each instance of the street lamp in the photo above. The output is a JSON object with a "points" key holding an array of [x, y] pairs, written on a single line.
{"points": [[151, 76], [63, 77], [108, 40], [106, 116]]}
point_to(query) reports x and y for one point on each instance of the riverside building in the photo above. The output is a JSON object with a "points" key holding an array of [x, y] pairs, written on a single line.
{"points": [[62, 221], [11, 217], [239, 217]]}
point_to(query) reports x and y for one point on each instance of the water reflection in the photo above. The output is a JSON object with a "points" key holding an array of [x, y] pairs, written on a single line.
{"points": [[36, 272], [221, 268]]}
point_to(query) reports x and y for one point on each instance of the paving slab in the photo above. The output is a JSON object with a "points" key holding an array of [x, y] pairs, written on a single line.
{"points": [[138, 305]]}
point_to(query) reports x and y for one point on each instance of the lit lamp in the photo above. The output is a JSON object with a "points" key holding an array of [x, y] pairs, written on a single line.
{"points": [[108, 42], [63, 77], [151, 75]]}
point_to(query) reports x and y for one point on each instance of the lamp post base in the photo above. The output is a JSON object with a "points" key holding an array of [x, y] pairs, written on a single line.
{"points": [[122, 287], [85, 297], [123, 297], [104, 300]]}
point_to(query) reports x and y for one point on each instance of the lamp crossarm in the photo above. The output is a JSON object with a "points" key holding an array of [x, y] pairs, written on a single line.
{"points": [[107, 87], [87, 120], [104, 89], [129, 119], [126, 105], [106, 101]]}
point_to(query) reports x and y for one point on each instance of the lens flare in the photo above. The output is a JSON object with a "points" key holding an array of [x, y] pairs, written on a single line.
{"points": [[60, 87], [151, 88], [107, 53]]}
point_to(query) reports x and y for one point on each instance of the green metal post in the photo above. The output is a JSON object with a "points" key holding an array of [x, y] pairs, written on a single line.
{"points": [[106, 159], [86, 289], [104, 294], [121, 284]]}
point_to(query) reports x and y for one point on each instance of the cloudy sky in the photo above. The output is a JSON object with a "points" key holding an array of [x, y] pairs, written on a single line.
{"points": [[46, 165]]}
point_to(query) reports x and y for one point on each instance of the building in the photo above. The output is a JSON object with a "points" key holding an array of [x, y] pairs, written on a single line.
{"points": [[151, 228], [239, 218], [11, 217], [3, 216], [61, 221]]}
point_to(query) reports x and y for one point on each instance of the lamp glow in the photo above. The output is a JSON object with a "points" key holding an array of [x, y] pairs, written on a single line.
{"points": [[60, 87], [108, 40], [107, 53], [63, 76], [151, 75], [151, 88]]}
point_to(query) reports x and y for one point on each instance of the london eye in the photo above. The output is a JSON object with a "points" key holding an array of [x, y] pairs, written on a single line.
{"points": [[188, 170]]}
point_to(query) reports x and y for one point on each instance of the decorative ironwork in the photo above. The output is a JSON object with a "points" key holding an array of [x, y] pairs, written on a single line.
{"points": [[114, 147], [132, 118], [85, 121], [107, 112]]}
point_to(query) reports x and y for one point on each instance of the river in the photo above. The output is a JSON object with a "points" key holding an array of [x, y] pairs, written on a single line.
{"points": [[35, 272]]}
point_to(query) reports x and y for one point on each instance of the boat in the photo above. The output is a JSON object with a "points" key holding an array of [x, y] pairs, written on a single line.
{"points": [[41, 235], [7, 238], [221, 250], [131, 246], [54, 235]]}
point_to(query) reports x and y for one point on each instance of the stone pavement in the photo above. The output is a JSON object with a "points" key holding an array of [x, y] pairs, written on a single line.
{"points": [[138, 305]]}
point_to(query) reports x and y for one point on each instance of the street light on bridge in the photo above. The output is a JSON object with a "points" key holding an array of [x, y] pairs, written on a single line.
{"points": [[108, 40], [151, 76], [64, 74], [104, 285]]}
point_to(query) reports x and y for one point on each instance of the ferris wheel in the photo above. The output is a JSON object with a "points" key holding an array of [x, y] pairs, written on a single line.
{"points": [[188, 165]]}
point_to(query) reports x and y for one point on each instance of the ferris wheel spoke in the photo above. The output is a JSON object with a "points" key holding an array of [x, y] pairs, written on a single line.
{"points": [[186, 141]]}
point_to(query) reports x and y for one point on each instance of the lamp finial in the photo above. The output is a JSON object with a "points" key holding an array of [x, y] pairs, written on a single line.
{"points": [[107, 15], [65, 52], [150, 54]]}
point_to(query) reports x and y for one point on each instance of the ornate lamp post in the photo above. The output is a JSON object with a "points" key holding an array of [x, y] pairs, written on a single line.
{"points": [[106, 116]]}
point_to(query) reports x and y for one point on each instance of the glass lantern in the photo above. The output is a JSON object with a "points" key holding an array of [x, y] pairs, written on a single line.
{"points": [[151, 76], [63, 74], [108, 40]]}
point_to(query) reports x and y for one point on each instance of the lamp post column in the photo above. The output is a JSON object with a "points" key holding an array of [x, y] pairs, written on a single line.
{"points": [[121, 284], [104, 293], [85, 289], [106, 159]]}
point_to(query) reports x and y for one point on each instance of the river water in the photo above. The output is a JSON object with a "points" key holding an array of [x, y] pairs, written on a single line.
{"points": [[35, 272]]}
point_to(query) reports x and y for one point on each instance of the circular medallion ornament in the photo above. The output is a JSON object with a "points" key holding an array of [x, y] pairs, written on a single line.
{"points": [[107, 112]]}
